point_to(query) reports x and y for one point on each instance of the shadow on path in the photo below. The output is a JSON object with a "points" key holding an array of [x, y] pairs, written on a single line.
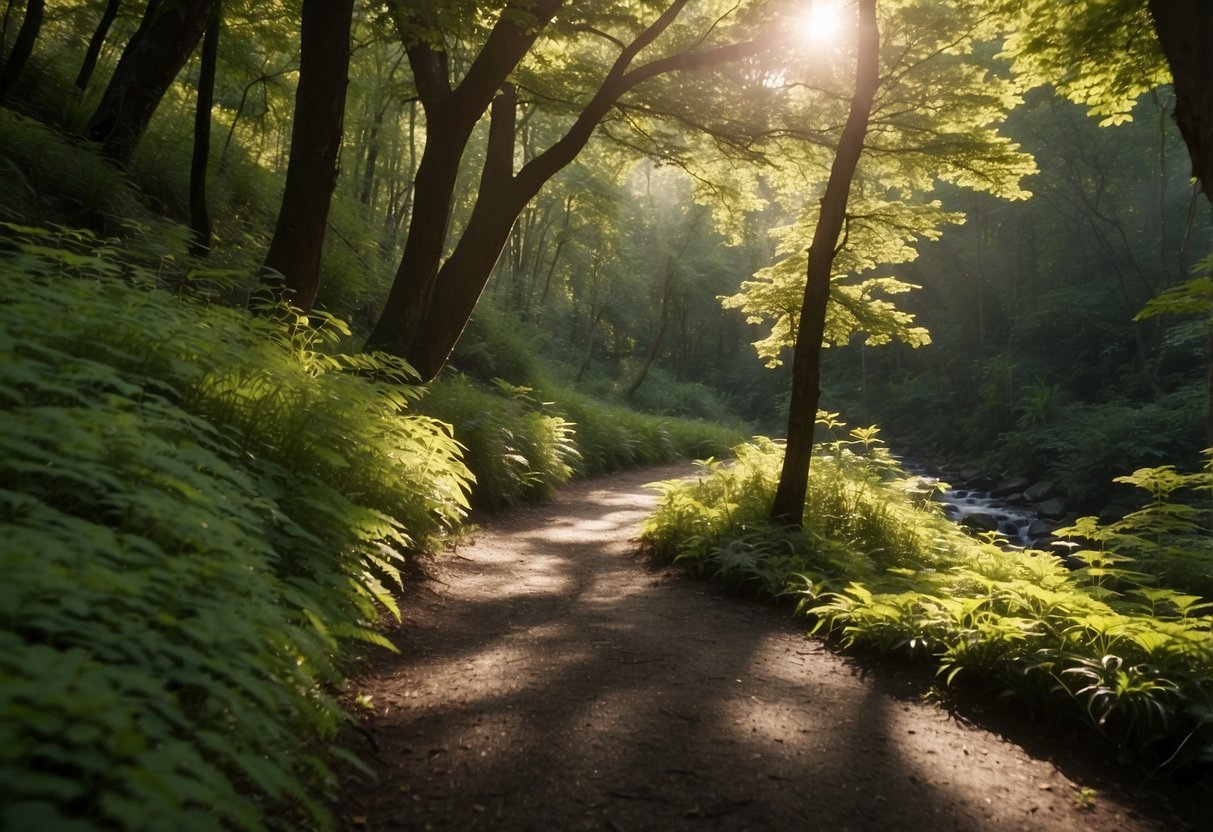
{"points": [[549, 679]]}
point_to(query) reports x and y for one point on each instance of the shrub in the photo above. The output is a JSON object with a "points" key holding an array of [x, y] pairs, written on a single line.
{"points": [[876, 565], [50, 178], [521, 448], [200, 508], [517, 451], [611, 437]]}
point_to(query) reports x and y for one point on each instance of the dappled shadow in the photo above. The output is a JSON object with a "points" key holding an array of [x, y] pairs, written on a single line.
{"points": [[553, 681]]}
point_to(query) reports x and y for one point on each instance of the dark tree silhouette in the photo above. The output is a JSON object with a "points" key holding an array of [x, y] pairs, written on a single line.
{"points": [[22, 46], [200, 216], [89, 64], [431, 298], [293, 261], [167, 36], [1185, 30]]}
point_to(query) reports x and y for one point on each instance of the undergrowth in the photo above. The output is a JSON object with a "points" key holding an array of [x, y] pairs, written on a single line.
{"points": [[877, 566], [516, 447], [611, 437], [199, 508], [522, 447]]}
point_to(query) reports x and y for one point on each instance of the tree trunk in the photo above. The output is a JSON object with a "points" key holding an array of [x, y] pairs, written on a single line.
{"points": [[789, 504], [451, 115], [293, 260], [565, 236], [372, 156], [23, 46], [163, 43], [1185, 29], [431, 301], [401, 204], [94, 46], [200, 216], [593, 317]]}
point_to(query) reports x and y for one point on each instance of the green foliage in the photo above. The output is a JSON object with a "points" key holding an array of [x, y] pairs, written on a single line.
{"points": [[200, 508], [1081, 446], [663, 395], [1103, 54], [877, 566], [522, 448], [1195, 296], [1171, 536], [611, 437], [857, 519], [936, 119], [48, 178], [496, 346], [516, 447]]}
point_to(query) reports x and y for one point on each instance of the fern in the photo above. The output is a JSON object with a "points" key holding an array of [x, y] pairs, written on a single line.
{"points": [[201, 510], [877, 567]]}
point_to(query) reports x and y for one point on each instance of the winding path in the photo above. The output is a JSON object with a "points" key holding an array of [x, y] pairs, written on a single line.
{"points": [[549, 678]]}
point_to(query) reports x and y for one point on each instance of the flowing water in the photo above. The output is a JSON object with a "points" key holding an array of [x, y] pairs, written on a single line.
{"points": [[1013, 521], [959, 503]]}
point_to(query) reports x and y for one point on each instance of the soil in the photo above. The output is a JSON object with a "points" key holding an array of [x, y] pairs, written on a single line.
{"points": [[551, 677]]}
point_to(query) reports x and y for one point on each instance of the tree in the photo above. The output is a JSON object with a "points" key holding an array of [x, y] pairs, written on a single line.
{"points": [[200, 217], [432, 298], [668, 283], [22, 46], [1185, 30], [934, 118], [166, 37], [1107, 53], [89, 64], [789, 503], [293, 260]]}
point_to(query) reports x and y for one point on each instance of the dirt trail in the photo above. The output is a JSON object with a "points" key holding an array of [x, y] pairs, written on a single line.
{"points": [[549, 678]]}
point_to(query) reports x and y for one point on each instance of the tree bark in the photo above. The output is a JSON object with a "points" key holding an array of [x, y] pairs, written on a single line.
{"points": [[451, 115], [292, 265], [94, 46], [789, 504], [1185, 30], [431, 301], [200, 216], [23, 46], [163, 43]]}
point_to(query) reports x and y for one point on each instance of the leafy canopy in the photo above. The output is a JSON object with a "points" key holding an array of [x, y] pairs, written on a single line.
{"points": [[1102, 54], [936, 119]]}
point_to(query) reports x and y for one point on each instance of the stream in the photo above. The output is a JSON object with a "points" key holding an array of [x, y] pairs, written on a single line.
{"points": [[979, 510], [1013, 521]]}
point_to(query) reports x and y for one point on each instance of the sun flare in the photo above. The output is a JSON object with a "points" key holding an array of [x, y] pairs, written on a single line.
{"points": [[822, 21]]}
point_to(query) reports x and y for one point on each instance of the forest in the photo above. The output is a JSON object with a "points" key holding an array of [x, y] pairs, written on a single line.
{"points": [[294, 294]]}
